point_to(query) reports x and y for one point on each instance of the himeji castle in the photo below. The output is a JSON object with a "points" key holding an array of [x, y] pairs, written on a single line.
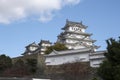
{"points": [[79, 43]]}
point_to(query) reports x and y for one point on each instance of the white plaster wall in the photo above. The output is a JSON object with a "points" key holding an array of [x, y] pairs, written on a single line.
{"points": [[56, 60], [89, 43], [80, 36], [97, 56], [76, 41], [83, 30], [78, 47], [75, 46], [70, 29], [70, 41], [76, 36], [33, 48], [42, 53], [44, 44], [43, 49], [69, 46], [96, 62], [80, 29]]}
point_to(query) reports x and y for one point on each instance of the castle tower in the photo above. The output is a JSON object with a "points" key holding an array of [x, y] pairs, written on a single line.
{"points": [[75, 37], [32, 48], [43, 45]]}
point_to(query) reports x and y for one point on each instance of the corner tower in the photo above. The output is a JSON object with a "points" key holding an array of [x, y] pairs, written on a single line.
{"points": [[75, 37]]}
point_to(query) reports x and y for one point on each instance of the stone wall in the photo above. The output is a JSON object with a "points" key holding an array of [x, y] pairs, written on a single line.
{"points": [[40, 59]]}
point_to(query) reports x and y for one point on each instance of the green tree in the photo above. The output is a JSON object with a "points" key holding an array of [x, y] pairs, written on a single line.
{"points": [[19, 63], [5, 62], [19, 69], [57, 46], [32, 65], [110, 68], [94, 78]]}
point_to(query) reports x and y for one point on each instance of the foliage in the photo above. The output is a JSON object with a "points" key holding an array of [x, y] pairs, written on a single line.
{"points": [[22, 69], [19, 69], [19, 63], [49, 50], [110, 68], [94, 78], [5, 62], [31, 65], [57, 46]]}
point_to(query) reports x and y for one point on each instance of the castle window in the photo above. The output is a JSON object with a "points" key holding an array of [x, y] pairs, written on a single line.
{"points": [[82, 59]]}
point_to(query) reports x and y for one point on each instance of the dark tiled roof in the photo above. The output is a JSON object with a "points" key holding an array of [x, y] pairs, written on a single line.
{"points": [[71, 23], [68, 52], [44, 41], [32, 44], [32, 52]]}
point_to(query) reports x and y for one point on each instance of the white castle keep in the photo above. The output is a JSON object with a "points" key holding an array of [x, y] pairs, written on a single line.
{"points": [[75, 37]]}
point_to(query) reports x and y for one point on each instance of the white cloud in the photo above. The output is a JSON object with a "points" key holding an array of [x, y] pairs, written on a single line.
{"points": [[14, 10]]}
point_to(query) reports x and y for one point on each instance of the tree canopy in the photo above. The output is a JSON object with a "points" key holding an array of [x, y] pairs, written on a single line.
{"points": [[5, 62], [32, 65], [110, 68], [19, 69], [57, 46]]}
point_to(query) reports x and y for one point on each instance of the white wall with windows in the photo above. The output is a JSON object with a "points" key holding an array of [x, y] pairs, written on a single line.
{"points": [[61, 59], [93, 58]]}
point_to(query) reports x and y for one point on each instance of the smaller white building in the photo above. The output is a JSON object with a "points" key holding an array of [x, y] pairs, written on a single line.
{"points": [[34, 48], [43, 45], [70, 56], [96, 58]]}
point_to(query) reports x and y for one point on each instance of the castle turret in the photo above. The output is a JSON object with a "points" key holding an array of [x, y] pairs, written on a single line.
{"points": [[32, 48], [43, 45]]}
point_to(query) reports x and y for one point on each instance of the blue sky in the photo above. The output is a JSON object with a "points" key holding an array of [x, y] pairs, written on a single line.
{"points": [[23, 24]]}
